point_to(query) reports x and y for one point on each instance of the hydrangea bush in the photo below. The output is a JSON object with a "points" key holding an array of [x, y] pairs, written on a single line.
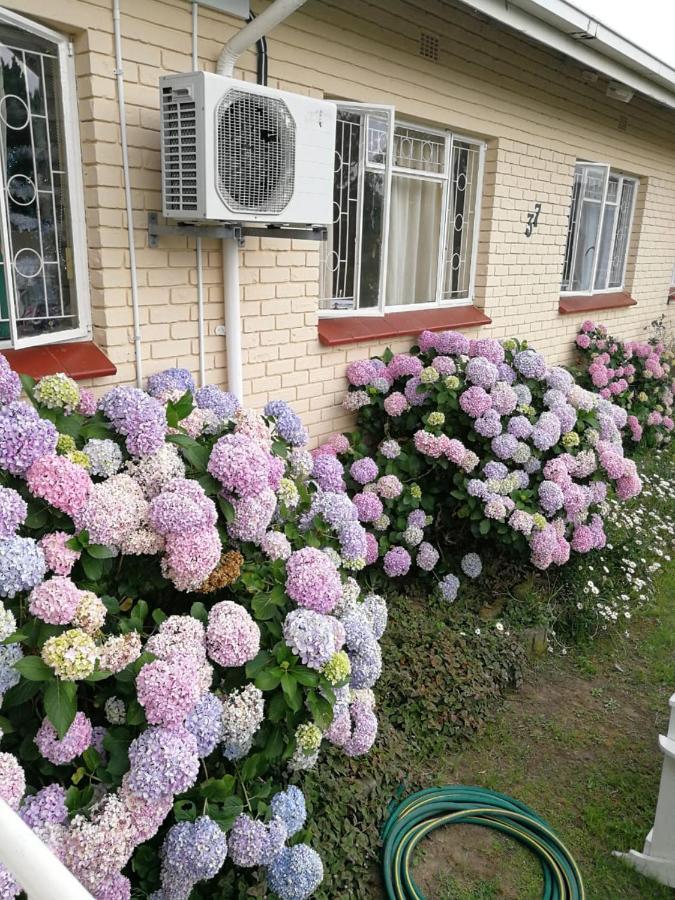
{"points": [[181, 633], [635, 375], [464, 442]]}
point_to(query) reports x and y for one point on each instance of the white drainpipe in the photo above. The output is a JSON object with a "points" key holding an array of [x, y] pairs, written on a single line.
{"points": [[198, 243], [33, 865], [275, 13], [119, 75]]}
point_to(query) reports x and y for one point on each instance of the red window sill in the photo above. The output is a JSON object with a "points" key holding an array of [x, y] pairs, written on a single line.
{"points": [[357, 329], [587, 303], [80, 359]]}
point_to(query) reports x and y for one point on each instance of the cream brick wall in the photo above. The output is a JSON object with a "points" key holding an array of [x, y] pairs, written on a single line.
{"points": [[532, 107]]}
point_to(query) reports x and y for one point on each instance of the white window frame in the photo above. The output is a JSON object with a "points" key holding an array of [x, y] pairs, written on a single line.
{"points": [[389, 169], [609, 172], [73, 161]]}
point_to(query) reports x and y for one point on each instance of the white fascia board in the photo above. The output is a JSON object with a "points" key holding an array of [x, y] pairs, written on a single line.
{"points": [[564, 28]]}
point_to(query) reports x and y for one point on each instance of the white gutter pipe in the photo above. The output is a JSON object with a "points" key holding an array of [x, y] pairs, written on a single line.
{"points": [[198, 242], [119, 75], [275, 13], [41, 875]]}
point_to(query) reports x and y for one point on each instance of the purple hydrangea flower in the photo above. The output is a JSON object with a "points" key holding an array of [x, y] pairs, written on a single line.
{"points": [[417, 518], [449, 587], [397, 562], [13, 511], [366, 668], [390, 449], [490, 348], [475, 401], [163, 383], [25, 437], [495, 470], [328, 473], [288, 423], [471, 565], [313, 636], [413, 395], [530, 364], [520, 427], [222, 403], [192, 852], [551, 497], [364, 470], [138, 416], [46, 807], [368, 505], [427, 556], [10, 383], [504, 445], [546, 431], [482, 372], [164, 761], [488, 425]]}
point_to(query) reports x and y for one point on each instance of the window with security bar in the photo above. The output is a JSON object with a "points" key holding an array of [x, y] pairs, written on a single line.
{"points": [[406, 206], [43, 289], [600, 223]]}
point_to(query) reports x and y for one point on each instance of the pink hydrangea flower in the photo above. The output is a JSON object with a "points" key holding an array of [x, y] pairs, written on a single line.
{"points": [[60, 482], [395, 404], [312, 580], [59, 558], [232, 637], [73, 744], [168, 690], [12, 780], [55, 601]]}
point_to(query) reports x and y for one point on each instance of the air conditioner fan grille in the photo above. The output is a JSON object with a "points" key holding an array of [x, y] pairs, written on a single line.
{"points": [[255, 153]]}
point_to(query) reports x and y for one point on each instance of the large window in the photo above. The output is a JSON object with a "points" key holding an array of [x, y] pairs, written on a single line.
{"points": [[406, 201], [43, 285], [599, 229]]}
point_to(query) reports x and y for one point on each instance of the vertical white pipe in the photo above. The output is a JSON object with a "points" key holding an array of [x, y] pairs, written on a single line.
{"points": [[198, 243], [275, 13], [33, 865], [235, 376], [119, 75]]}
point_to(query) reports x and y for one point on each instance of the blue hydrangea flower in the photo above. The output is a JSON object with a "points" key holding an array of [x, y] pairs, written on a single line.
{"points": [[22, 565], [296, 873], [192, 852], [205, 723], [289, 806], [471, 565]]}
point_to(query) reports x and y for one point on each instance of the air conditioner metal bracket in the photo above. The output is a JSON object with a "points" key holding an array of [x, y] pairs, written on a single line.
{"points": [[230, 231]]}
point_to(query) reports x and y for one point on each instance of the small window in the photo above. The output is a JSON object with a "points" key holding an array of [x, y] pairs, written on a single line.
{"points": [[43, 288], [405, 228], [599, 230]]}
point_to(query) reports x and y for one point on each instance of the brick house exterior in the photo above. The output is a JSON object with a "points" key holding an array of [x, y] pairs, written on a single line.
{"points": [[538, 111]]}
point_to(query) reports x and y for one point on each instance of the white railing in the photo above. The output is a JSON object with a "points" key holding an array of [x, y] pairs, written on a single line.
{"points": [[32, 863], [658, 856]]}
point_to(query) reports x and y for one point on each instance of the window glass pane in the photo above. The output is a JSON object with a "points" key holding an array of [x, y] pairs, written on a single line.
{"points": [[352, 255], [584, 227], [371, 239], [622, 234], [415, 148], [575, 209], [414, 231], [378, 132], [602, 269], [462, 208], [341, 248], [32, 158]]}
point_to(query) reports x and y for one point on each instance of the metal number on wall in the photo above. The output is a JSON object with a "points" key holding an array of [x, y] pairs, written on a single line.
{"points": [[532, 219]]}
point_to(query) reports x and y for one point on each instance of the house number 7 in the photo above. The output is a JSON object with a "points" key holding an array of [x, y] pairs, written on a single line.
{"points": [[532, 219]]}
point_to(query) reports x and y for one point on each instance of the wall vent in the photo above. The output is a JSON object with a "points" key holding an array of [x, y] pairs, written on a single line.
{"points": [[429, 46]]}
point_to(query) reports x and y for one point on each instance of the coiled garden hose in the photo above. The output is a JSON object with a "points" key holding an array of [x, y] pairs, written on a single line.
{"points": [[423, 812]]}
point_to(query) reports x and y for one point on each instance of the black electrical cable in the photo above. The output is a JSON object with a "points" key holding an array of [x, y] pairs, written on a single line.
{"points": [[261, 62]]}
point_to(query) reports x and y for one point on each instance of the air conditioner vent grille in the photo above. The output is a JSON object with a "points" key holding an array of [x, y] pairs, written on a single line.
{"points": [[255, 152], [179, 137]]}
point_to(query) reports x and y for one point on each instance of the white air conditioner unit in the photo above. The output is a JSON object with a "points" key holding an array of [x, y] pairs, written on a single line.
{"points": [[238, 152]]}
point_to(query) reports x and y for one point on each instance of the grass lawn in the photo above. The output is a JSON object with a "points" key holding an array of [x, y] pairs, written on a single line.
{"points": [[578, 741], [579, 744]]}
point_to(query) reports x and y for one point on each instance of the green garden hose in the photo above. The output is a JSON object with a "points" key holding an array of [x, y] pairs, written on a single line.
{"points": [[423, 812]]}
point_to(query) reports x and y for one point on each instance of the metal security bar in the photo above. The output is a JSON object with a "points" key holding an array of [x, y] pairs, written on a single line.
{"points": [[42, 252], [601, 215], [381, 168]]}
